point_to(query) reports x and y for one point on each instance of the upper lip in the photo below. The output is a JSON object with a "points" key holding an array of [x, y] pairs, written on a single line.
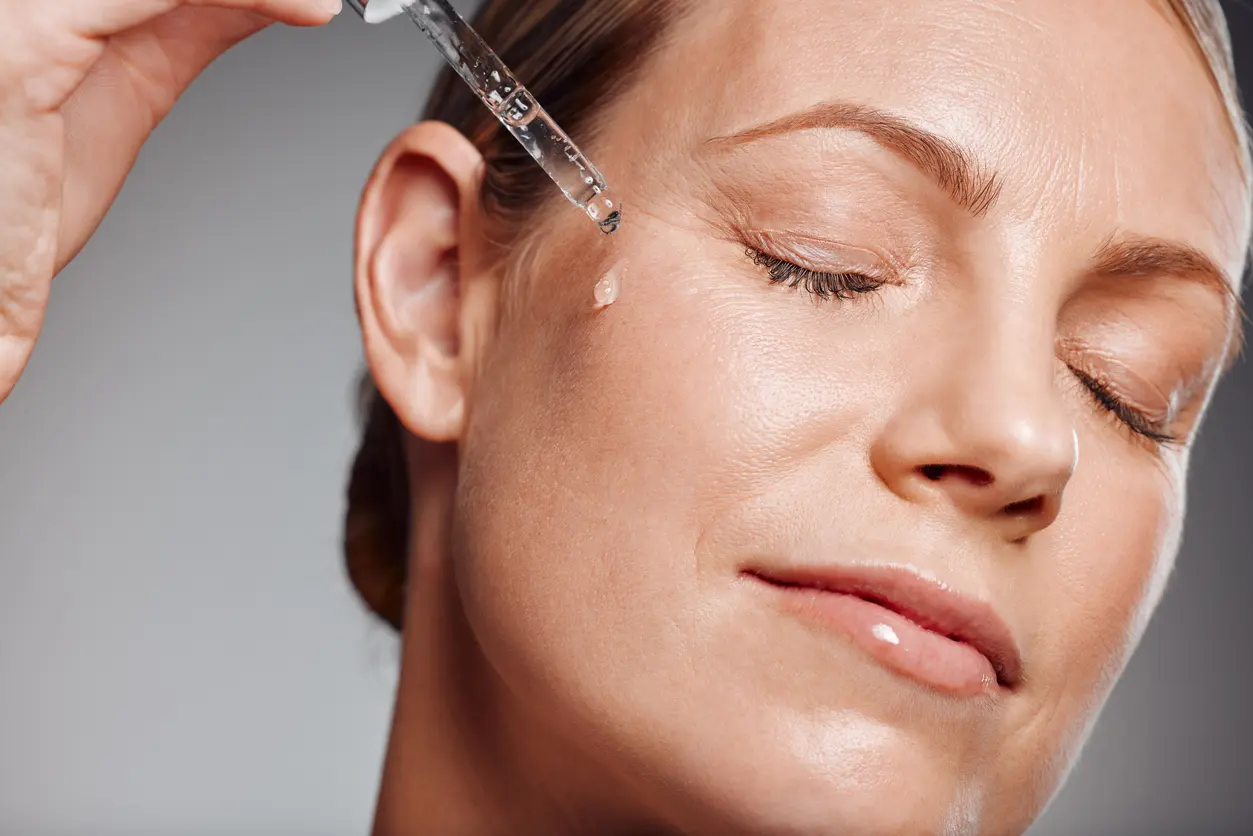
{"points": [[927, 602]]}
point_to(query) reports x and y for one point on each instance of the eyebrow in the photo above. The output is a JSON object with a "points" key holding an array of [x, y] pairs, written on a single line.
{"points": [[1134, 255], [975, 189], [947, 163]]}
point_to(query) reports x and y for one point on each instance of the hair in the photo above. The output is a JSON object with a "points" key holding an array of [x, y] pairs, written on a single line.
{"points": [[575, 56], [1207, 24]]}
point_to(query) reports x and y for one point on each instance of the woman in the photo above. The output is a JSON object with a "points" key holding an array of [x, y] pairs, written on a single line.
{"points": [[846, 516]]}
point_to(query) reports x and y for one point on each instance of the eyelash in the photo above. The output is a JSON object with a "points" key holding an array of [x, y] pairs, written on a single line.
{"points": [[843, 286], [846, 286], [1128, 416]]}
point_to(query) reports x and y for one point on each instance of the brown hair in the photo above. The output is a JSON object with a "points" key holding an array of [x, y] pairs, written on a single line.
{"points": [[574, 55]]}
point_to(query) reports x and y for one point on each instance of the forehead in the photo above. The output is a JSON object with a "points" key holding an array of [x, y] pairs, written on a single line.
{"points": [[1098, 116]]}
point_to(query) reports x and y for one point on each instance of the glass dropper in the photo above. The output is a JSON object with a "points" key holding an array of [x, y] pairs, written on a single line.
{"points": [[489, 78]]}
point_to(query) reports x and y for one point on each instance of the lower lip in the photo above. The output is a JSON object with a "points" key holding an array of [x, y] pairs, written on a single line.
{"points": [[897, 643]]}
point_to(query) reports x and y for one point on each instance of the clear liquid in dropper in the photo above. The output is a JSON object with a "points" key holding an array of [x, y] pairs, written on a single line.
{"points": [[549, 146], [522, 116]]}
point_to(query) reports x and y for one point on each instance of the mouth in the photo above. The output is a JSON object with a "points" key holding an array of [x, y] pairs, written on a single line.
{"points": [[910, 624]]}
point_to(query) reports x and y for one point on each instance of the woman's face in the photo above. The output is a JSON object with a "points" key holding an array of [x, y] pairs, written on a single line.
{"points": [[1030, 211]]}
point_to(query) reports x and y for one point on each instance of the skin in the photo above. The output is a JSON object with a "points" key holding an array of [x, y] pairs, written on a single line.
{"points": [[583, 653], [590, 486]]}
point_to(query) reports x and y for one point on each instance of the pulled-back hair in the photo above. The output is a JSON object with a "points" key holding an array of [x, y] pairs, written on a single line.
{"points": [[574, 56]]}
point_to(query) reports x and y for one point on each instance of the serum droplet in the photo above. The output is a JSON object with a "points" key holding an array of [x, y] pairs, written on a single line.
{"points": [[609, 287]]}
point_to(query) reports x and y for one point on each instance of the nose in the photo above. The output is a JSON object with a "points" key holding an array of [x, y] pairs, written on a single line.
{"points": [[984, 434]]}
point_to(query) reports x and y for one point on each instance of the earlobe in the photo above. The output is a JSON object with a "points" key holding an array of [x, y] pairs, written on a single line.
{"points": [[408, 282]]}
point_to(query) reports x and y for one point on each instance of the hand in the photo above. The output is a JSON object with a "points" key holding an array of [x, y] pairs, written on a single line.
{"points": [[82, 85]]}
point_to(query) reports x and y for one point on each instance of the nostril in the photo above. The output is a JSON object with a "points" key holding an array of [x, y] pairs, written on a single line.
{"points": [[976, 476], [1025, 508]]}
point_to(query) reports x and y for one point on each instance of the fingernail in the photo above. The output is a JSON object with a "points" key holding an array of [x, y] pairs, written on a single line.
{"points": [[333, 6]]}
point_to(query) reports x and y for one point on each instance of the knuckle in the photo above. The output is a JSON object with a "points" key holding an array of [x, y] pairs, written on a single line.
{"points": [[39, 64], [25, 281], [21, 309], [19, 68]]}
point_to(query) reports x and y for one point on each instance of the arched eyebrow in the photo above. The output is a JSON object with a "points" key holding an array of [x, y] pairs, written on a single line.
{"points": [[1136, 255], [954, 169], [947, 163]]}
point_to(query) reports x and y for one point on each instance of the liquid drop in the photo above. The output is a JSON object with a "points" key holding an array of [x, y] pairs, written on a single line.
{"points": [[609, 287]]}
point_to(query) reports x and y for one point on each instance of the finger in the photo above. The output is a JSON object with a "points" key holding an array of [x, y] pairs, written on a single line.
{"points": [[26, 250], [166, 54], [108, 120], [102, 18]]}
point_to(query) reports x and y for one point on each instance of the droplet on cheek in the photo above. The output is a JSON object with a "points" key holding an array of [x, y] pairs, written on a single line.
{"points": [[609, 287]]}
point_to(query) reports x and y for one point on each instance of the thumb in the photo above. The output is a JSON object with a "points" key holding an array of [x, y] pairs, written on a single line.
{"points": [[110, 118], [191, 38]]}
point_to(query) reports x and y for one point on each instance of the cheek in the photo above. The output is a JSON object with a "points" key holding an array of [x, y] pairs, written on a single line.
{"points": [[1093, 583], [697, 389], [620, 463], [605, 444], [1118, 537]]}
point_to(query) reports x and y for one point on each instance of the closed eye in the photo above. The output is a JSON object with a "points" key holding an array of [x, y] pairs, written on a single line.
{"points": [[843, 286], [1137, 421], [848, 285]]}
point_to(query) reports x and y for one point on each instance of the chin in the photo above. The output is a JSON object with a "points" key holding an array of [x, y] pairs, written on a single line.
{"points": [[848, 776]]}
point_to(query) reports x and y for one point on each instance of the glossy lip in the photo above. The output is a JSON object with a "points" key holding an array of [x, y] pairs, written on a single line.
{"points": [[926, 602]]}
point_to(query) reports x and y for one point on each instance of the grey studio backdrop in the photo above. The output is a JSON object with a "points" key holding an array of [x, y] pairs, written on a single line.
{"points": [[179, 649]]}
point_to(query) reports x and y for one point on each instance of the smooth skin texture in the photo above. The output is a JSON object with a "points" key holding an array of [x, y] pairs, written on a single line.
{"points": [[582, 652]]}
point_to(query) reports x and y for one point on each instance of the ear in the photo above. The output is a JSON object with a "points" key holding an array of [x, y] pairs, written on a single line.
{"points": [[408, 282]]}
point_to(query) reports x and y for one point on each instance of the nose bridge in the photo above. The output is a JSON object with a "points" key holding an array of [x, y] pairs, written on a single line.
{"points": [[982, 426], [996, 400]]}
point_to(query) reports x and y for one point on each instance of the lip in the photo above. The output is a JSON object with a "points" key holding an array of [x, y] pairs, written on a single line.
{"points": [[909, 623]]}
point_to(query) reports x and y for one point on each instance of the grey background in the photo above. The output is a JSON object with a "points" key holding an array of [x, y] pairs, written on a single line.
{"points": [[179, 650]]}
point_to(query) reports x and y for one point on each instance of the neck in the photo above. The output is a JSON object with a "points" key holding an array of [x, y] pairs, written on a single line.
{"points": [[463, 758]]}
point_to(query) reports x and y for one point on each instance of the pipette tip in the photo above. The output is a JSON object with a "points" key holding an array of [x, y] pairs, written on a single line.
{"points": [[610, 224]]}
